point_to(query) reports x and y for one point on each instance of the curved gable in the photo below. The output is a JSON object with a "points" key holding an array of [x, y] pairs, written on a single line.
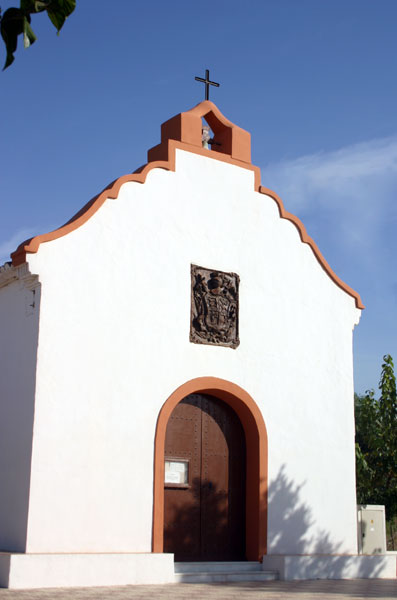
{"points": [[231, 144]]}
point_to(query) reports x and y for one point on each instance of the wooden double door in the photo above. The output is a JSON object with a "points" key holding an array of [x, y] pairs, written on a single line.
{"points": [[204, 495]]}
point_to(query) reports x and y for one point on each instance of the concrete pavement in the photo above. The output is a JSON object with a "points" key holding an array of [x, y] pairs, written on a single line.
{"points": [[382, 589]]}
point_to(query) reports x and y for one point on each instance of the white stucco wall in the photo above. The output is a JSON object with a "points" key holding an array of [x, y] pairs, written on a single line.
{"points": [[19, 310], [114, 344], [22, 571]]}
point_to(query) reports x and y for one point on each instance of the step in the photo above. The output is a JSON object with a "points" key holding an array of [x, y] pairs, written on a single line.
{"points": [[223, 566], [221, 572], [225, 577]]}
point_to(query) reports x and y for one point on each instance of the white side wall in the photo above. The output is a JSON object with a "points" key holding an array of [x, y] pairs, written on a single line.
{"points": [[114, 344], [18, 348], [332, 567], [21, 571]]}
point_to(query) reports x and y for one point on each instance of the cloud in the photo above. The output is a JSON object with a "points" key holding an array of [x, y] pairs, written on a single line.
{"points": [[347, 200], [340, 171], [348, 194], [13, 242]]}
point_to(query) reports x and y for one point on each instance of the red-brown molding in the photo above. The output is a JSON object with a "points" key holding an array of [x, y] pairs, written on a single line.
{"points": [[306, 239], [111, 191], [256, 473], [184, 132], [186, 127]]}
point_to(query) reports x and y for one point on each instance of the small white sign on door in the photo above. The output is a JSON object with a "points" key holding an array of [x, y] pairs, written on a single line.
{"points": [[176, 471]]}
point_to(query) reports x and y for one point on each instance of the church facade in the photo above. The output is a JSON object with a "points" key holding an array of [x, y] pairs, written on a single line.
{"points": [[177, 380]]}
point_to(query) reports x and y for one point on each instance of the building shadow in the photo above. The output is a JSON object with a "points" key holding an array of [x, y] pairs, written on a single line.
{"points": [[205, 534], [205, 520], [18, 356], [316, 555]]}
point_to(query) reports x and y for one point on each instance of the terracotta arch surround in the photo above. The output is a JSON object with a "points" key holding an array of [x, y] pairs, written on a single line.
{"points": [[256, 442]]}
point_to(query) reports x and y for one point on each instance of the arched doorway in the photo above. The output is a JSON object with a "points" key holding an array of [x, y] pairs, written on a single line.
{"points": [[204, 482], [256, 459]]}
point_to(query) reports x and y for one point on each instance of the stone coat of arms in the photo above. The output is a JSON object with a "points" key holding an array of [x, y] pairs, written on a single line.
{"points": [[214, 307]]}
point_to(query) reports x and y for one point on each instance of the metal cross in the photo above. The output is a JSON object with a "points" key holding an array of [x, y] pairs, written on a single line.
{"points": [[207, 83]]}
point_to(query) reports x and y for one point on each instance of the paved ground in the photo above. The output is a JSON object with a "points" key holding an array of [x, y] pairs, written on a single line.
{"points": [[273, 590]]}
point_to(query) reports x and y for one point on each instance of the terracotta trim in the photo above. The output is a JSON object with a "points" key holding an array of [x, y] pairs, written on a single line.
{"points": [[32, 245], [111, 191], [306, 239], [184, 132], [256, 441], [203, 109], [186, 127]]}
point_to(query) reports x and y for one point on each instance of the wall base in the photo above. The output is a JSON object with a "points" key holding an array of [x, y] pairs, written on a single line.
{"points": [[290, 567], [19, 571]]}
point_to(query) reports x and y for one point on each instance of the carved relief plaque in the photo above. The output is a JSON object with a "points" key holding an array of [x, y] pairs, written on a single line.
{"points": [[214, 307]]}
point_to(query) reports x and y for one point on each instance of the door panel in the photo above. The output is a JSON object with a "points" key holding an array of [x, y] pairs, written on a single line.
{"points": [[206, 520], [182, 505]]}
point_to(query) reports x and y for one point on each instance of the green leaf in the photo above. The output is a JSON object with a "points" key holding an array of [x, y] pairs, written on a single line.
{"points": [[27, 6], [12, 24], [28, 36], [16, 21], [40, 5], [376, 442], [34, 6], [59, 10]]}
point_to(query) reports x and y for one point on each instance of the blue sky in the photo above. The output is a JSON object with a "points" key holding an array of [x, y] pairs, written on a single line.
{"points": [[314, 81]]}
